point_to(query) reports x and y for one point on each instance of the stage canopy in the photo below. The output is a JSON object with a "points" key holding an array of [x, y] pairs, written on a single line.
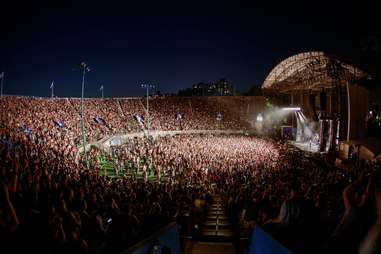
{"points": [[311, 71]]}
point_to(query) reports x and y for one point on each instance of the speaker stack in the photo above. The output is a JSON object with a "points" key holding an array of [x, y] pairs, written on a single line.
{"points": [[323, 100], [313, 105]]}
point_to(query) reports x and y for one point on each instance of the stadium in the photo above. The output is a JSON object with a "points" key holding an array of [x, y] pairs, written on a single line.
{"points": [[190, 127], [119, 175]]}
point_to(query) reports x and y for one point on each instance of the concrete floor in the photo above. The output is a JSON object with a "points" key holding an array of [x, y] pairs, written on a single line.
{"points": [[212, 248]]}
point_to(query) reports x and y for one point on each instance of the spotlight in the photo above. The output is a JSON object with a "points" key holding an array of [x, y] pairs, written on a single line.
{"points": [[292, 108], [259, 117]]}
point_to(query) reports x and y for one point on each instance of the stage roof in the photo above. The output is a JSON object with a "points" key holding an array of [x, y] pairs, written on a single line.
{"points": [[311, 71]]}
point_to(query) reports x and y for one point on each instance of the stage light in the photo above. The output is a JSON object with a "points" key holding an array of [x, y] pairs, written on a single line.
{"points": [[259, 117], [300, 116], [292, 108]]}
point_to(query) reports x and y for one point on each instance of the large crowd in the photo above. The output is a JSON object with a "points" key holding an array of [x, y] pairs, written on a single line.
{"points": [[298, 199], [50, 204], [115, 116], [198, 157]]}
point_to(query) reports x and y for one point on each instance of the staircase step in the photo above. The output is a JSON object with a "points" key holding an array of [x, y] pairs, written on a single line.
{"points": [[214, 224], [209, 232], [220, 232], [216, 212], [210, 223], [223, 223], [211, 227], [219, 208], [225, 232], [214, 217]]}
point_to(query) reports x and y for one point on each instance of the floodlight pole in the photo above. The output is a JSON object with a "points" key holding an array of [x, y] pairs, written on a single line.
{"points": [[2, 80], [85, 69], [147, 108], [147, 86]]}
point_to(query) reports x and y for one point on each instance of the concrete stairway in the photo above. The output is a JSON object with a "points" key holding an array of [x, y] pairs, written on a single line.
{"points": [[216, 235], [216, 227]]}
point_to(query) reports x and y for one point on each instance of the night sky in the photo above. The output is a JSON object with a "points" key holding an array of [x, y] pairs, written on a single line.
{"points": [[170, 45]]}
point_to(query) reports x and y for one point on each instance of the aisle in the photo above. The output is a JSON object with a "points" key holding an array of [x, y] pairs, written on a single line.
{"points": [[216, 236], [217, 226], [212, 248]]}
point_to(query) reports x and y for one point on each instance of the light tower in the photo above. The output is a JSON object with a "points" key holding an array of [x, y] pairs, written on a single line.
{"points": [[147, 87], [85, 69]]}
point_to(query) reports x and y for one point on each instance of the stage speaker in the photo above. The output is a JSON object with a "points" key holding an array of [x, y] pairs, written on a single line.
{"points": [[323, 100], [313, 105]]}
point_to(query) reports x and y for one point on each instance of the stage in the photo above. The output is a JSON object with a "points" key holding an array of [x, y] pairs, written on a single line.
{"points": [[306, 146]]}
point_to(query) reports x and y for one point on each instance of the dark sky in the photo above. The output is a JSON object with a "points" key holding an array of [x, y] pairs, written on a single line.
{"points": [[167, 44]]}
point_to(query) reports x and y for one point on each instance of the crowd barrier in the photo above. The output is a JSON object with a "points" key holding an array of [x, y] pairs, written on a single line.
{"points": [[116, 140], [121, 139], [261, 243], [164, 241]]}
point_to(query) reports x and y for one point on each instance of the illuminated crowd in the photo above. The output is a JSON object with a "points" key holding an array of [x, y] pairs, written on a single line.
{"points": [[115, 116], [51, 204]]}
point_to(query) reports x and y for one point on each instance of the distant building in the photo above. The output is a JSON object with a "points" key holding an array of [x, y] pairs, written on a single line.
{"points": [[220, 88], [223, 88], [200, 89]]}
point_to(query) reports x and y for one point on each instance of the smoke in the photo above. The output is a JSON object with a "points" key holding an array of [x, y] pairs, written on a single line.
{"points": [[271, 120], [307, 130]]}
